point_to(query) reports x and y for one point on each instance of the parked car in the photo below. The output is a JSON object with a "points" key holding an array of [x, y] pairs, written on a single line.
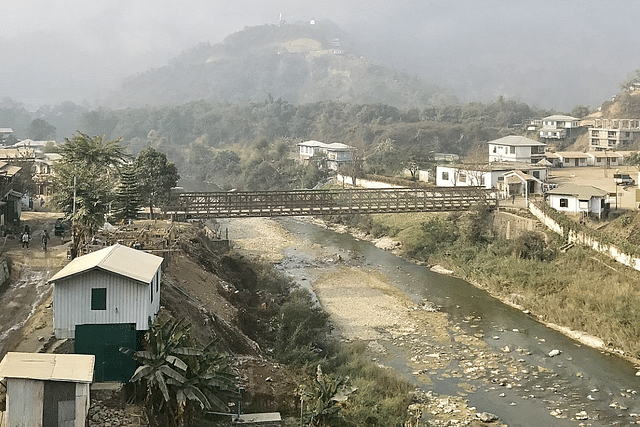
{"points": [[61, 227], [623, 179]]}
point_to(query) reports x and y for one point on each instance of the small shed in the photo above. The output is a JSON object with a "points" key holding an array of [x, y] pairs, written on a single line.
{"points": [[106, 300], [583, 199], [114, 285], [47, 389]]}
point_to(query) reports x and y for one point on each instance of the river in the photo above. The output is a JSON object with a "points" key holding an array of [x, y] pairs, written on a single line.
{"points": [[498, 358]]}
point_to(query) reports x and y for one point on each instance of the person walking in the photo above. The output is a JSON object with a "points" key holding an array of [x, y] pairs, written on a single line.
{"points": [[45, 240], [25, 240]]}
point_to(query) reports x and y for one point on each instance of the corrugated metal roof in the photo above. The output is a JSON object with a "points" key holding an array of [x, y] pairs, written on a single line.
{"points": [[582, 192], [572, 154], [559, 117], [135, 264], [49, 367], [516, 141]]}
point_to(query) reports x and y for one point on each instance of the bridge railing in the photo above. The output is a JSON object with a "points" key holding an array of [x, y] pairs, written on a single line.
{"points": [[328, 202]]}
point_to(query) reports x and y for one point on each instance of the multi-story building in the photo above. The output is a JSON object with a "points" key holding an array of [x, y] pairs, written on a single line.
{"points": [[516, 149], [558, 126], [336, 154], [612, 134]]}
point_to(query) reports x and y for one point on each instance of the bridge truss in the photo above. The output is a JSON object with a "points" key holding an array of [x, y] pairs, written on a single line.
{"points": [[328, 202]]}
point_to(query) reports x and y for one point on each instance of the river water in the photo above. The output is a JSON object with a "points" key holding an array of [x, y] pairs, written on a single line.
{"points": [[526, 386]]}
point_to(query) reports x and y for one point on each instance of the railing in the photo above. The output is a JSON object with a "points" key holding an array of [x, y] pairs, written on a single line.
{"points": [[328, 202]]}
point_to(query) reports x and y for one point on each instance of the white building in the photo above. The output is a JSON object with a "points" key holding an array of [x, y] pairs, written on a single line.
{"points": [[578, 199], [486, 175], [613, 134], [336, 154], [115, 285], [46, 389], [558, 126], [516, 149]]}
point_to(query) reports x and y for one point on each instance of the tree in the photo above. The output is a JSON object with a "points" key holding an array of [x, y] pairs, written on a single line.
{"points": [[84, 182], [40, 130], [156, 176], [181, 379], [127, 201]]}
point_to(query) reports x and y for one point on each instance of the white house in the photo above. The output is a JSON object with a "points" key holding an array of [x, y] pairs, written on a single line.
{"points": [[605, 158], [106, 300], [44, 171], [516, 149], [45, 389], [336, 153], [558, 126], [578, 199], [572, 158], [115, 285], [487, 175]]}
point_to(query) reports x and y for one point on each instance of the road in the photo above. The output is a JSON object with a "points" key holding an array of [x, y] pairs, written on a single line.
{"points": [[25, 298]]}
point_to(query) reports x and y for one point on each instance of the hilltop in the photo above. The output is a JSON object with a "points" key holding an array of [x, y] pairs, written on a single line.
{"points": [[297, 63]]}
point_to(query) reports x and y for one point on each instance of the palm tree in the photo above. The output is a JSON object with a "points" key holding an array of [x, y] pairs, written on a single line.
{"points": [[84, 181], [182, 381]]}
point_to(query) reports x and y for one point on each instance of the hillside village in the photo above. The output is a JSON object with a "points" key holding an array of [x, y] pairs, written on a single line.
{"points": [[98, 302], [98, 296]]}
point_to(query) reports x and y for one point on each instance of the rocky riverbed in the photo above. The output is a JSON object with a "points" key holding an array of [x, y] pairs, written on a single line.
{"points": [[366, 305]]}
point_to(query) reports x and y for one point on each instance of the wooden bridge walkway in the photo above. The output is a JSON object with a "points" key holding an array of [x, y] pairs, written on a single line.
{"points": [[327, 202]]}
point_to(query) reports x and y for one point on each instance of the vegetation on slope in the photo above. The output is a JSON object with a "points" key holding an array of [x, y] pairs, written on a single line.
{"points": [[578, 289]]}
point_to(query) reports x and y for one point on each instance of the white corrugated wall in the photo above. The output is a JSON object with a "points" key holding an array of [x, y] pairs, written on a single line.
{"points": [[128, 301]]}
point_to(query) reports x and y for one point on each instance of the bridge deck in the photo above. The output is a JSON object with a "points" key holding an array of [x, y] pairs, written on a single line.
{"points": [[328, 202]]}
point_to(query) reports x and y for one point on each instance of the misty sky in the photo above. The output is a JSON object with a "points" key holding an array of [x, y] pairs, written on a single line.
{"points": [[549, 53]]}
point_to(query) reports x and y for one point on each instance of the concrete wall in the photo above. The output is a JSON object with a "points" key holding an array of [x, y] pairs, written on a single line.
{"points": [[365, 183], [510, 226], [585, 239]]}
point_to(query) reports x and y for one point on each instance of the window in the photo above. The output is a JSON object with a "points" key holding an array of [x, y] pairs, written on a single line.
{"points": [[536, 174], [99, 299], [564, 203], [512, 150], [463, 177], [445, 176]]}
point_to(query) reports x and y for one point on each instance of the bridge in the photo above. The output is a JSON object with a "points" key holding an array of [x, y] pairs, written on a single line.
{"points": [[222, 204]]}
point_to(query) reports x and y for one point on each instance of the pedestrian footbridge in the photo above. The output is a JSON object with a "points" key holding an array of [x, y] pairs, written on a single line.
{"points": [[234, 204]]}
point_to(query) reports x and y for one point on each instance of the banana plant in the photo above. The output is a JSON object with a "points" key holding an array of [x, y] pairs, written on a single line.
{"points": [[182, 380]]}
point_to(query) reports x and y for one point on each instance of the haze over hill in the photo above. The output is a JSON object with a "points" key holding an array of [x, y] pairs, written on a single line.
{"points": [[298, 63], [551, 54]]}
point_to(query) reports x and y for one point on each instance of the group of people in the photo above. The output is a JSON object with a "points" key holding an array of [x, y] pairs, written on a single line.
{"points": [[26, 237]]}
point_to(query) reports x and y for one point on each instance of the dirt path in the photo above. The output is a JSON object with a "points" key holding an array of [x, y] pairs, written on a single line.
{"points": [[26, 321]]}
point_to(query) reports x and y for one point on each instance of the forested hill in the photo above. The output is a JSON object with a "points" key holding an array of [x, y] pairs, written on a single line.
{"points": [[297, 63]]}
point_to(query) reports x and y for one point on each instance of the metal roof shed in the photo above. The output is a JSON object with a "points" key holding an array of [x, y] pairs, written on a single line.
{"points": [[47, 389], [115, 285]]}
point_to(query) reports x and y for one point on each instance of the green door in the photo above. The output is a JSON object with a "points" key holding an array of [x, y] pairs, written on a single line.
{"points": [[104, 342]]}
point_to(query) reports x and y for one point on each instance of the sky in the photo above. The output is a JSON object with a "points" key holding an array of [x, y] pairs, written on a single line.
{"points": [[547, 53]]}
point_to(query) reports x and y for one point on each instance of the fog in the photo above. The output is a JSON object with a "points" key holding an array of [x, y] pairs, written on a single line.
{"points": [[550, 54]]}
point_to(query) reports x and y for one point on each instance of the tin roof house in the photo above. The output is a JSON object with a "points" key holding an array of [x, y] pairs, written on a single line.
{"points": [[105, 300], [46, 389], [580, 199], [516, 149], [336, 153]]}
